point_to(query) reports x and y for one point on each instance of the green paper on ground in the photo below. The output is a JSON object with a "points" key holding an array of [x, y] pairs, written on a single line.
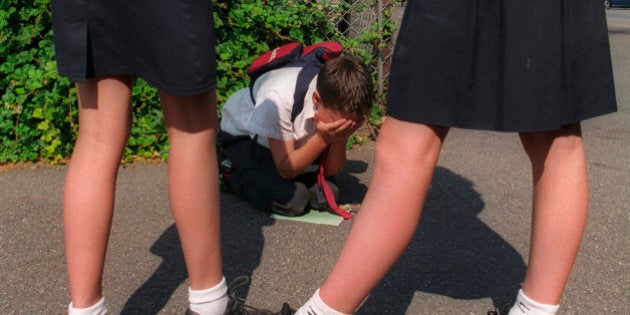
{"points": [[313, 216]]}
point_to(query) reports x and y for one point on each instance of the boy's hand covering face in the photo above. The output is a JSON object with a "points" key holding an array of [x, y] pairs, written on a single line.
{"points": [[333, 126]]}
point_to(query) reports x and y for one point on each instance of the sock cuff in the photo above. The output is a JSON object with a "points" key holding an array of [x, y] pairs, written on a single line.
{"points": [[97, 309], [324, 309], [208, 295], [549, 308]]}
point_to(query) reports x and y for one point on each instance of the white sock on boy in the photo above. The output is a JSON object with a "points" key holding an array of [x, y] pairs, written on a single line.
{"points": [[315, 306], [525, 305], [97, 309], [209, 301]]}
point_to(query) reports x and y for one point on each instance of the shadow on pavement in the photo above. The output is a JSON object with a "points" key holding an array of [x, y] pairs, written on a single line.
{"points": [[352, 191], [453, 253], [242, 245], [153, 295]]}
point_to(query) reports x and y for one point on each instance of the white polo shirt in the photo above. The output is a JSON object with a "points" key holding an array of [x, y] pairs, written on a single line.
{"points": [[270, 117]]}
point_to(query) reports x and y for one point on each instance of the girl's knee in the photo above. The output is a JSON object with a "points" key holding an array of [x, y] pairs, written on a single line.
{"points": [[564, 140], [403, 143]]}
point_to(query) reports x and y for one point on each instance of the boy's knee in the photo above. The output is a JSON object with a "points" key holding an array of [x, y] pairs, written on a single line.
{"points": [[317, 200], [297, 202]]}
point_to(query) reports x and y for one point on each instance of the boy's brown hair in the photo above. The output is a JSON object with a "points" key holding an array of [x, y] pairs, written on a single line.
{"points": [[345, 85]]}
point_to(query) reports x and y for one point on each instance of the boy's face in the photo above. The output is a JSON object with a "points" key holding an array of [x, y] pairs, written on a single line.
{"points": [[326, 114]]}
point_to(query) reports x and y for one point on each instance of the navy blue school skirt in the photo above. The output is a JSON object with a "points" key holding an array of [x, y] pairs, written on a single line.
{"points": [[170, 44], [505, 65]]}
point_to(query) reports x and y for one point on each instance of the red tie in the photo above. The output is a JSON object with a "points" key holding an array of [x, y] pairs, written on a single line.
{"points": [[328, 193]]}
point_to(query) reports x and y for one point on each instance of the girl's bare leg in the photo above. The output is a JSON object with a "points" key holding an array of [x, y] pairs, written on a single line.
{"points": [[405, 157], [560, 209], [193, 185], [88, 200]]}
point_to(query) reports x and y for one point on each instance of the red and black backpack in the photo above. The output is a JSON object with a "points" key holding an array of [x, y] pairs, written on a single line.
{"points": [[310, 59]]}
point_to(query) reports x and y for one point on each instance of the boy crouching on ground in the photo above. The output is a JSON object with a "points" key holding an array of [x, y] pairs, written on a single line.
{"points": [[274, 158]]}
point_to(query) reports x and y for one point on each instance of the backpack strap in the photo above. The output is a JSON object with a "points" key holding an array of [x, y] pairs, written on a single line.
{"points": [[311, 62], [304, 79]]}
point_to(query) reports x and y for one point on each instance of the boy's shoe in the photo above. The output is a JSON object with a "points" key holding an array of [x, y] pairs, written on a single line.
{"points": [[317, 200], [225, 173]]}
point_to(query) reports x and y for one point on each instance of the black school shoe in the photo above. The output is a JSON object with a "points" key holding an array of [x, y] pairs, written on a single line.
{"points": [[286, 310], [504, 310], [236, 305]]}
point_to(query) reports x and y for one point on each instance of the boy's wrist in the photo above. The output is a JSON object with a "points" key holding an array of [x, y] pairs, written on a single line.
{"points": [[339, 140], [324, 140]]}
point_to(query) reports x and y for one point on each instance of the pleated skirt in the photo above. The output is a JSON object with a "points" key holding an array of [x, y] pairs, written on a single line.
{"points": [[170, 44], [504, 65]]}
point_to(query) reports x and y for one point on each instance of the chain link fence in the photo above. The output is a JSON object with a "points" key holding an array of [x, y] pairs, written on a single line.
{"points": [[372, 26]]}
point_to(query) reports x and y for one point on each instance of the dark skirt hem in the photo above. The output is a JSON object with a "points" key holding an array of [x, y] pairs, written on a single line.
{"points": [[189, 90], [478, 125]]}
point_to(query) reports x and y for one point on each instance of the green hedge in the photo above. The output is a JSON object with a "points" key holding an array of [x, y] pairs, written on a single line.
{"points": [[38, 116]]}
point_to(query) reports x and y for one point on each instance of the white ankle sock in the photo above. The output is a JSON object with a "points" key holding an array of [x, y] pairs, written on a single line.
{"points": [[525, 305], [209, 301], [315, 306], [97, 309]]}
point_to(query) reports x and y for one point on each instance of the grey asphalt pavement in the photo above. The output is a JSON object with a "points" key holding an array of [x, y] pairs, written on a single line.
{"points": [[469, 253]]}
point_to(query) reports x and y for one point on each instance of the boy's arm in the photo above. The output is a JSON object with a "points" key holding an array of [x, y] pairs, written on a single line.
{"points": [[290, 162], [336, 157]]}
